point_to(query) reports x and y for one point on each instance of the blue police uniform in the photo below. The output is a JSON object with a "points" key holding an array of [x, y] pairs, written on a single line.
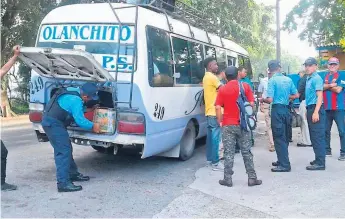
{"points": [[65, 106], [316, 130], [279, 89]]}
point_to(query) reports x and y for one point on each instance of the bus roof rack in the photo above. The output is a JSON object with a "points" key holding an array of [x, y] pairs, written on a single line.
{"points": [[177, 10], [185, 13]]}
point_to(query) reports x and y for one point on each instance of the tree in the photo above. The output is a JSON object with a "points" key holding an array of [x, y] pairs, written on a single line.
{"points": [[324, 20], [19, 25], [242, 21]]}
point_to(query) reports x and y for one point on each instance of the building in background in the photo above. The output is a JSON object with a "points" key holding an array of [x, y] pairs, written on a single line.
{"points": [[329, 50]]}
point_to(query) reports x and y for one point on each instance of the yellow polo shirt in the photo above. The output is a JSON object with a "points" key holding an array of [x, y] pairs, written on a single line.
{"points": [[210, 84]]}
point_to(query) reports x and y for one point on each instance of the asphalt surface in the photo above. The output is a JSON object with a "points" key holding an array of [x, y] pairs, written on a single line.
{"points": [[121, 186], [126, 186]]}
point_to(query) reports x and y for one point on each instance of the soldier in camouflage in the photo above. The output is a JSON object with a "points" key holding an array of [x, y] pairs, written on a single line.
{"points": [[232, 131]]}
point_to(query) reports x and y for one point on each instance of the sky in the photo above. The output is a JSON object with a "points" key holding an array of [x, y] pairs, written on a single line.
{"points": [[290, 41]]}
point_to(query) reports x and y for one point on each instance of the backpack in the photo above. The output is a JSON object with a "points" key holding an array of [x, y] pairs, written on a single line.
{"points": [[247, 118]]}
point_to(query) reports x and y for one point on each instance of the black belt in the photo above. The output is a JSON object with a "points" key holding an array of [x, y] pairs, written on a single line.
{"points": [[312, 106], [279, 106]]}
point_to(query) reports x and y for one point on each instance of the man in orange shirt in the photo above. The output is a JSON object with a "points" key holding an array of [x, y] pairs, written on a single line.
{"points": [[233, 132], [211, 84]]}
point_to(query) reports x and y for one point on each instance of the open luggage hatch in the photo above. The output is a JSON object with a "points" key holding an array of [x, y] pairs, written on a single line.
{"points": [[64, 64]]}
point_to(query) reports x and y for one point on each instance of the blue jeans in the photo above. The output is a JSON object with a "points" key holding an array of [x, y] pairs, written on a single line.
{"points": [[213, 139], [59, 139], [339, 117], [280, 123], [317, 134]]}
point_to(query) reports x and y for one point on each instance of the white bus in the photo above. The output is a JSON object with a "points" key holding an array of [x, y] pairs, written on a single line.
{"points": [[148, 66]]}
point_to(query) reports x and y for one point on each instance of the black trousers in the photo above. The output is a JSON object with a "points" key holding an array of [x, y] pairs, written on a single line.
{"points": [[317, 133], [289, 130], [280, 123], [4, 153]]}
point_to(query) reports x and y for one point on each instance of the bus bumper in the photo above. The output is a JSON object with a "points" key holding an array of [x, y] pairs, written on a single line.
{"points": [[88, 138]]}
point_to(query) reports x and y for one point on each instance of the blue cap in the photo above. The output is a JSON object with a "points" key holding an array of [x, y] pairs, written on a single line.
{"points": [[310, 61], [90, 89], [273, 65]]}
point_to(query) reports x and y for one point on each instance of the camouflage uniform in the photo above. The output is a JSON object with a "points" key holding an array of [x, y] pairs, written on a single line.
{"points": [[230, 135]]}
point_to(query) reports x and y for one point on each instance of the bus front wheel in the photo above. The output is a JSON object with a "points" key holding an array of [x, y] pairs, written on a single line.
{"points": [[187, 143]]}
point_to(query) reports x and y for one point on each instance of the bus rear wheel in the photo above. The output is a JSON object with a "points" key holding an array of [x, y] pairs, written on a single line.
{"points": [[187, 143]]}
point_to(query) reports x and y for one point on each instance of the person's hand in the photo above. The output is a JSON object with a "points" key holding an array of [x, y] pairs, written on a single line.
{"points": [[16, 50], [315, 117], [96, 128], [333, 85]]}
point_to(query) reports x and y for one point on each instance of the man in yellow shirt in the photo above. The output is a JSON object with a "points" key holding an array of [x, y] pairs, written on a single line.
{"points": [[211, 84]]}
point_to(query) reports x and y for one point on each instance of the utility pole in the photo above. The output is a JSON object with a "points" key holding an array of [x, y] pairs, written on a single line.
{"points": [[278, 29]]}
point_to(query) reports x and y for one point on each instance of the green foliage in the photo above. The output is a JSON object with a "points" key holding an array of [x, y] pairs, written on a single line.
{"points": [[243, 21], [324, 20], [19, 106]]}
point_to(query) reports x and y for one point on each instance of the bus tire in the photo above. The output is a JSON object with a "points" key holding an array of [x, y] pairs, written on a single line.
{"points": [[103, 150], [187, 143]]}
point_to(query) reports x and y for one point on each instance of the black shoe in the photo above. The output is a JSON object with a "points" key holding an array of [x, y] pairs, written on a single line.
{"points": [[79, 178], [342, 157], [280, 169], [328, 153], [70, 187], [275, 164], [312, 162], [225, 183], [254, 182], [290, 140], [304, 145], [8, 187], [315, 167]]}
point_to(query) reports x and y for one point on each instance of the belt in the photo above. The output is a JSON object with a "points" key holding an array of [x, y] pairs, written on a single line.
{"points": [[312, 106], [279, 106]]}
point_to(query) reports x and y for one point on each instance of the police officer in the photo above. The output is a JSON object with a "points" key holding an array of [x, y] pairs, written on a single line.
{"points": [[280, 91], [66, 105], [316, 114]]}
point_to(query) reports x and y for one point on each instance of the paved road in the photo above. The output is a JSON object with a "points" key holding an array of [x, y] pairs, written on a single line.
{"points": [[121, 186], [126, 186]]}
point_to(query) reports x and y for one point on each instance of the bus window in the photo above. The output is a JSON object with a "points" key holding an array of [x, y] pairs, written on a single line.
{"points": [[181, 58], [210, 51], [196, 52], [231, 61], [160, 58], [188, 58], [221, 59], [240, 60]]}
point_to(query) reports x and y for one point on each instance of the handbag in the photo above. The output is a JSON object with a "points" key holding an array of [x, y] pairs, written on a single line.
{"points": [[296, 118]]}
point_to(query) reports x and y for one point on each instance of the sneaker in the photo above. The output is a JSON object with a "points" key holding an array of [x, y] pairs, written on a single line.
{"points": [[328, 154], [218, 167], [208, 163], [8, 187], [342, 157]]}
